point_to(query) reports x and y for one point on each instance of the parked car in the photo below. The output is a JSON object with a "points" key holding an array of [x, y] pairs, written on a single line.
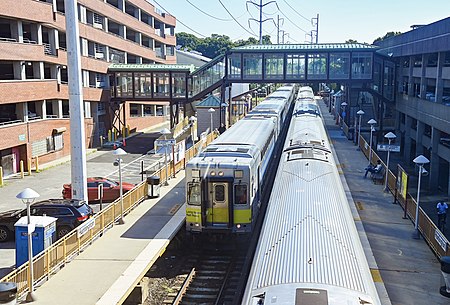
{"points": [[111, 189], [70, 214]]}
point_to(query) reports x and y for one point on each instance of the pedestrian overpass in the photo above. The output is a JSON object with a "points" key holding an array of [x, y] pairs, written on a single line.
{"points": [[359, 67]]}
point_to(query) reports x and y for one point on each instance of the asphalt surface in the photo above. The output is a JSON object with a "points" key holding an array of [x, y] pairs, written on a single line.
{"points": [[49, 181]]}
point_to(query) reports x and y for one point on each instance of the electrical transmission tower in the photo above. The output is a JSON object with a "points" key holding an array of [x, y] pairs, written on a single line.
{"points": [[260, 6], [315, 33]]}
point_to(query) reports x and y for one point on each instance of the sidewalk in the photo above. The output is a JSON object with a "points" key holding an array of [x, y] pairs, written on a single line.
{"points": [[115, 263], [408, 268]]}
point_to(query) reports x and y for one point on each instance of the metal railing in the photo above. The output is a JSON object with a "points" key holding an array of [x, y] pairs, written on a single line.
{"points": [[50, 261], [430, 232]]}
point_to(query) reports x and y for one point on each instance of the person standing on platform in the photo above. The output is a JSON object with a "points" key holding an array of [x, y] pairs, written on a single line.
{"points": [[442, 208]]}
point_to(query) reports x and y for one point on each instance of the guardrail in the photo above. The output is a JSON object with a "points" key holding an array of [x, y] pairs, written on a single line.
{"points": [[434, 237], [49, 261]]}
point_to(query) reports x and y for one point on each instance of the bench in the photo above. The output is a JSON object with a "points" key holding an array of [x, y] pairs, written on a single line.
{"points": [[378, 177]]}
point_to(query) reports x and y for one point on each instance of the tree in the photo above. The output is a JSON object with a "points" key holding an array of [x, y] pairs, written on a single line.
{"points": [[351, 41], [187, 41], [215, 45], [386, 36]]}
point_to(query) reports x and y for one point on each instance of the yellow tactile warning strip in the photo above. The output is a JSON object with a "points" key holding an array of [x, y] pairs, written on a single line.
{"points": [[376, 275], [359, 205], [174, 209], [340, 166]]}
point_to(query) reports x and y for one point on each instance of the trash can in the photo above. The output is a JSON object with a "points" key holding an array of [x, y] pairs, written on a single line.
{"points": [[8, 293], [445, 269], [153, 186]]}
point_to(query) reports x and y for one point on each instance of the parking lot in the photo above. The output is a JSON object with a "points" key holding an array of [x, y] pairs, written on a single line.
{"points": [[48, 183]]}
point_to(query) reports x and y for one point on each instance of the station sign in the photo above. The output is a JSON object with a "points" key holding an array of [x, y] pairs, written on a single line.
{"points": [[169, 142], [385, 147]]}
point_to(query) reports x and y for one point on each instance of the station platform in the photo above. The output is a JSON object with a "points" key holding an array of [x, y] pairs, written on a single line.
{"points": [[407, 267], [113, 265]]}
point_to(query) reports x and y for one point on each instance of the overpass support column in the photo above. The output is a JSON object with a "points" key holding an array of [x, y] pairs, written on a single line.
{"points": [[434, 160], [407, 145]]}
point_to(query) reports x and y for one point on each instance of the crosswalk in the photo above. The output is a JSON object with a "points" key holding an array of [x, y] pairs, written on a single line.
{"points": [[132, 171]]}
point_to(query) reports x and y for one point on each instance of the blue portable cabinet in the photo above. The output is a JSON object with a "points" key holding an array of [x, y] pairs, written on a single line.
{"points": [[43, 236]]}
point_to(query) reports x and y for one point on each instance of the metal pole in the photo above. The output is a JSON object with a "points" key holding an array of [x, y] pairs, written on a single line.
{"points": [[370, 151], [142, 170], [260, 22], [387, 168], [165, 161], [29, 297], [121, 221], [416, 224], [211, 123], [359, 129]]}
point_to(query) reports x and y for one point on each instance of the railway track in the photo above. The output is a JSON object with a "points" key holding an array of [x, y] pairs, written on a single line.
{"points": [[206, 275]]}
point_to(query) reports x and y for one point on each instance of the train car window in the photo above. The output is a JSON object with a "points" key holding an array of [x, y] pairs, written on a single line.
{"points": [[194, 193], [240, 194], [219, 192]]}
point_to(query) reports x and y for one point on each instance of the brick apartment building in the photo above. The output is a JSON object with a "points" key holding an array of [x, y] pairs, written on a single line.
{"points": [[34, 106]]}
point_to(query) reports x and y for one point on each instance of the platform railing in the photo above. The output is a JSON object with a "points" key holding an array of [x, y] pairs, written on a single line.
{"points": [[52, 259], [434, 237]]}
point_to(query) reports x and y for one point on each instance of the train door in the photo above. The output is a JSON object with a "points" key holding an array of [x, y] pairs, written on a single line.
{"points": [[217, 204]]}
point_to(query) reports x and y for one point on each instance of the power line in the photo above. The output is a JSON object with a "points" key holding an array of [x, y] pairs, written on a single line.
{"points": [[251, 33], [296, 11], [282, 13], [217, 18], [178, 20]]}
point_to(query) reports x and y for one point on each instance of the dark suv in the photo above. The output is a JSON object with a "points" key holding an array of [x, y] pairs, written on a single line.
{"points": [[70, 214]]}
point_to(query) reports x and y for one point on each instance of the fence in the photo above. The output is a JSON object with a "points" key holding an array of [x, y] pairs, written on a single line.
{"points": [[435, 238], [71, 245]]}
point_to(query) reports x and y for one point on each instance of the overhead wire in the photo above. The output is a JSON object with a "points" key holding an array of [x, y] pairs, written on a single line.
{"points": [[251, 33], [282, 13], [207, 14], [296, 11], [178, 20]]}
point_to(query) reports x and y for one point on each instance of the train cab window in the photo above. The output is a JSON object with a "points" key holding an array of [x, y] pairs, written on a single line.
{"points": [[240, 194], [219, 193], [194, 193]]}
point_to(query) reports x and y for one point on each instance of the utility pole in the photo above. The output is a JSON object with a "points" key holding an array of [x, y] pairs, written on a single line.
{"points": [[315, 22], [76, 104], [278, 28], [260, 21]]}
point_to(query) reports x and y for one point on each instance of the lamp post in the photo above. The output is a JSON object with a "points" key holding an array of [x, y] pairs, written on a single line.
{"points": [[419, 160], [390, 136], [165, 132], [28, 196], [371, 122], [211, 111], [192, 120], [360, 113], [119, 152]]}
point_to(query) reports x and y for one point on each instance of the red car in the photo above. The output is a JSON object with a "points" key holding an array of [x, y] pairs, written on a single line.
{"points": [[111, 189]]}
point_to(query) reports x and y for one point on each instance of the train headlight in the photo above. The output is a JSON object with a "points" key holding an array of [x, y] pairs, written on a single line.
{"points": [[238, 226], [197, 224], [220, 173], [212, 173]]}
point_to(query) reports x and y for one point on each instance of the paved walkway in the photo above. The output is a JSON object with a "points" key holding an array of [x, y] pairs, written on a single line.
{"points": [[116, 262], [408, 268]]}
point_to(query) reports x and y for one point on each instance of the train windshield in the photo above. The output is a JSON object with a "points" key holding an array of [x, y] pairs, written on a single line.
{"points": [[194, 193], [240, 194]]}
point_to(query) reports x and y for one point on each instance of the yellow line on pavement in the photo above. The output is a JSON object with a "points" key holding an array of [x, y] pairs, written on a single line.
{"points": [[359, 205], [376, 275]]}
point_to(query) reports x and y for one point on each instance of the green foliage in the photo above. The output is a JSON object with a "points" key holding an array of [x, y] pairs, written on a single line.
{"points": [[387, 35], [215, 45]]}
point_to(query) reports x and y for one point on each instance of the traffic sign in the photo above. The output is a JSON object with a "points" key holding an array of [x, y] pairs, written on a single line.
{"points": [[385, 147], [169, 142]]}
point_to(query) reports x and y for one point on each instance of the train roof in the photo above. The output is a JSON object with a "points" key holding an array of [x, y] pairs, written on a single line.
{"points": [[244, 137]]}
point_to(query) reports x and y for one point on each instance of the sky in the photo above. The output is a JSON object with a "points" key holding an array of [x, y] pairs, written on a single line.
{"points": [[363, 20]]}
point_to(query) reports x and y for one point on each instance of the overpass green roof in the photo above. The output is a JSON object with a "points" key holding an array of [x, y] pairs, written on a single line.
{"points": [[306, 47], [150, 67]]}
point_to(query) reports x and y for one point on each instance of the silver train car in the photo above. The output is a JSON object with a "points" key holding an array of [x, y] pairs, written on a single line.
{"points": [[309, 251], [224, 182]]}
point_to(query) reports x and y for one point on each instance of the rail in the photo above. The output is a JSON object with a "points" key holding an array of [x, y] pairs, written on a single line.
{"points": [[52, 259], [434, 237]]}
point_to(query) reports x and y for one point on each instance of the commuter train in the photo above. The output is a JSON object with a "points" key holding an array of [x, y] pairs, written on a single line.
{"points": [[224, 182], [309, 251]]}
